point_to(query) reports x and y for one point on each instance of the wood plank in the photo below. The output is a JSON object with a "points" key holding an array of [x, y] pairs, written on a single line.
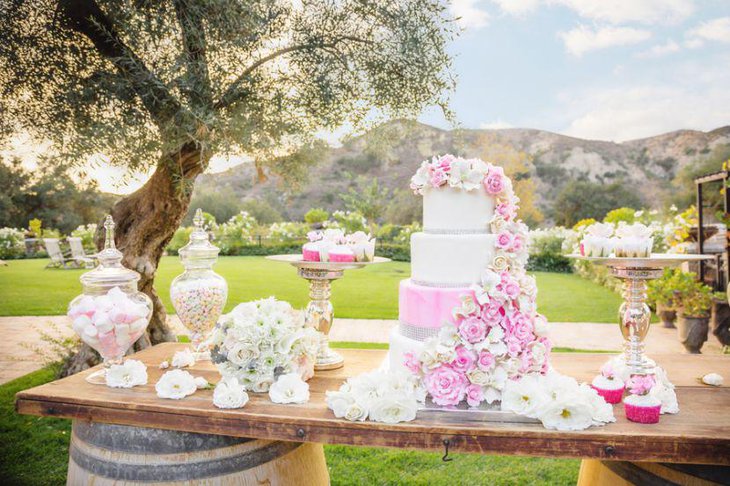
{"points": [[699, 434]]}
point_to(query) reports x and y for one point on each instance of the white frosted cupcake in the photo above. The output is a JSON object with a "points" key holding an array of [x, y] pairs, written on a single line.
{"points": [[341, 253], [597, 241], [633, 241], [611, 388]]}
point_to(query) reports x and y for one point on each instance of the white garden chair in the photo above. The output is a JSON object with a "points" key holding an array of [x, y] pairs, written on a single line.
{"points": [[56, 255], [78, 254]]}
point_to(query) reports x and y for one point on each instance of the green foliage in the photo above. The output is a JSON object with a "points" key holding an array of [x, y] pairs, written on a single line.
{"points": [[367, 198], [288, 231], [12, 243], [262, 211], [35, 226], [694, 299], [316, 215], [387, 232], [350, 221], [48, 194], [222, 204], [665, 289], [546, 255], [179, 239], [615, 216], [394, 251], [584, 199], [87, 233], [404, 207], [683, 194]]}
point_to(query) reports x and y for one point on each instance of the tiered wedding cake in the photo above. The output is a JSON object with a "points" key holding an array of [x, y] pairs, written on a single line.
{"points": [[468, 312]]}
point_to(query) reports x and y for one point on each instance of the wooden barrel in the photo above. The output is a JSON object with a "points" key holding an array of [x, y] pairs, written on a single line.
{"points": [[622, 473], [105, 454]]}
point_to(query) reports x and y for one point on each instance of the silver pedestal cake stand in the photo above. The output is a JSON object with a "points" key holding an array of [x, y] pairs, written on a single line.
{"points": [[319, 312], [634, 313]]}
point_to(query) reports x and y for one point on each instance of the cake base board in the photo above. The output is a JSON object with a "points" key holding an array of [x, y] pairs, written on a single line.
{"points": [[463, 412]]}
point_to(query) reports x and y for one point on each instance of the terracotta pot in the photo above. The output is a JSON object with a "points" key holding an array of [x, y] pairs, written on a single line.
{"points": [[667, 315], [693, 332]]}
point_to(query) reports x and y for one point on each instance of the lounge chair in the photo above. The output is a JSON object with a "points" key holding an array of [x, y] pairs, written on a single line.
{"points": [[78, 254], [54, 253]]}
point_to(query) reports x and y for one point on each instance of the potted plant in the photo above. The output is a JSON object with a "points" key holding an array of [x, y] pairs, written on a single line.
{"points": [[662, 293], [694, 303]]}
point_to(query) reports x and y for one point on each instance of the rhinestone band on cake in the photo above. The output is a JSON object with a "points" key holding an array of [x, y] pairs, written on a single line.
{"points": [[417, 333]]}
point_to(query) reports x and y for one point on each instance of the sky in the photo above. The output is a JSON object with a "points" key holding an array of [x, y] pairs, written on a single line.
{"points": [[598, 69]]}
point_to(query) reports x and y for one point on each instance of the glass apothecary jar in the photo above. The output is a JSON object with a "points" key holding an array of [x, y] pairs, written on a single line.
{"points": [[199, 294], [111, 314]]}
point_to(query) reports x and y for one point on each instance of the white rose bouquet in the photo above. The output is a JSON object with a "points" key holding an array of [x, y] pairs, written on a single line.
{"points": [[258, 341]]}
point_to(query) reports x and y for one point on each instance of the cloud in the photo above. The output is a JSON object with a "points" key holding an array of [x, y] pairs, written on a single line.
{"points": [[496, 125], [517, 7], [659, 50], [642, 11], [715, 30], [628, 113], [583, 39], [470, 14]]}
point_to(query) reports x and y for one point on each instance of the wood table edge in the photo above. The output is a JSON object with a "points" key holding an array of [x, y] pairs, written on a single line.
{"points": [[506, 442]]}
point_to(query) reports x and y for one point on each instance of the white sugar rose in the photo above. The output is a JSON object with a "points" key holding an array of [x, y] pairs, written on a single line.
{"points": [[289, 388], [127, 375], [391, 410], [175, 384], [183, 358], [667, 396], [201, 383], [339, 402], [355, 412], [712, 379], [229, 393]]}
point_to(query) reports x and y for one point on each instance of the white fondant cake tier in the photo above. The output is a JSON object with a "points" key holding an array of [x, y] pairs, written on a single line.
{"points": [[399, 346], [450, 260], [450, 209]]}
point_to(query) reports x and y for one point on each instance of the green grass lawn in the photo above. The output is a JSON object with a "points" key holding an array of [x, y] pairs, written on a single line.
{"points": [[34, 451], [26, 288]]}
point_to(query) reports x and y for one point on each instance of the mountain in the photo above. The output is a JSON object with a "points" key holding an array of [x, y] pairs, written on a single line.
{"points": [[391, 153]]}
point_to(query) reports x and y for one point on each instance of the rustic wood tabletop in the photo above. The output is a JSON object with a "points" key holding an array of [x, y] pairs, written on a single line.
{"points": [[699, 434]]}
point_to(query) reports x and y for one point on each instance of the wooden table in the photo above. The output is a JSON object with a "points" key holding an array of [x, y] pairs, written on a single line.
{"points": [[699, 434]]}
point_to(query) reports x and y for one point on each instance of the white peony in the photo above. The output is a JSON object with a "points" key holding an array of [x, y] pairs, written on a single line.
{"points": [[127, 375], [567, 415], [602, 410], [524, 397], [229, 393], [175, 384], [183, 358], [289, 388], [393, 409], [712, 379], [201, 382]]}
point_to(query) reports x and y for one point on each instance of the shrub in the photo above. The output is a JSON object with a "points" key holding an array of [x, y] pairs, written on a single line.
{"points": [[546, 251], [179, 239], [316, 215], [350, 221], [288, 231], [87, 234], [394, 251], [627, 215], [694, 299], [12, 243]]}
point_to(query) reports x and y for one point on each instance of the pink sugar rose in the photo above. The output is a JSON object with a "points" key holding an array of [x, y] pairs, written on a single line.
{"points": [[474, 395], [504, 240], [522, 328], [438, 178], [514, 346], [493, 312], [511, 290], [494, 182], [485, 361], [608, 371], [506, 210], [444, 163], [412, 363], [464, 361], [446, 385], [473, 330], [640, 384], [517, 243]]}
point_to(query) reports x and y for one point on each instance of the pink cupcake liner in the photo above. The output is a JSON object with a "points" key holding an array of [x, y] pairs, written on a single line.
{"points": [[642, 415], [611, 396], [310, 255], [342, 257]]}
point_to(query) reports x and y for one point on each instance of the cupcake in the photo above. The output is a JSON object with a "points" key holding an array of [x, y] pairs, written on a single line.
{"points": [[362, 245], [640, 406], [310, 251], [633, 241], [597, 241], [341, 253], [324, 249], [608, 385]]}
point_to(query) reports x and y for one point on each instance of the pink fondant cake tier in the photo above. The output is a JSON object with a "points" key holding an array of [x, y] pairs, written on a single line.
{"points": [[429, 307]]}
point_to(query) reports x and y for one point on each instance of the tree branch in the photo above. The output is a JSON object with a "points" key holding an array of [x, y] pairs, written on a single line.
{"points": [[194, 46], [87, 18], [234, 92]]}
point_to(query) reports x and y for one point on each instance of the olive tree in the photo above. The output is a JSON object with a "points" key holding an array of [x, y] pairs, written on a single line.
{"points": [[164, 85]]}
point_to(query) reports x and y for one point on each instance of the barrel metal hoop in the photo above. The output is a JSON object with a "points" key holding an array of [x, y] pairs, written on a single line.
{"points": [[636, 475], [181, 472], [124, 438]]}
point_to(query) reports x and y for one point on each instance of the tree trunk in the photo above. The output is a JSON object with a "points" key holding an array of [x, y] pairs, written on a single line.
{"points": [[145, 221]]}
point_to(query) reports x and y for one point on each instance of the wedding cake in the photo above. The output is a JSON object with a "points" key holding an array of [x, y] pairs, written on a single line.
{"points": [[467, 316]]}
